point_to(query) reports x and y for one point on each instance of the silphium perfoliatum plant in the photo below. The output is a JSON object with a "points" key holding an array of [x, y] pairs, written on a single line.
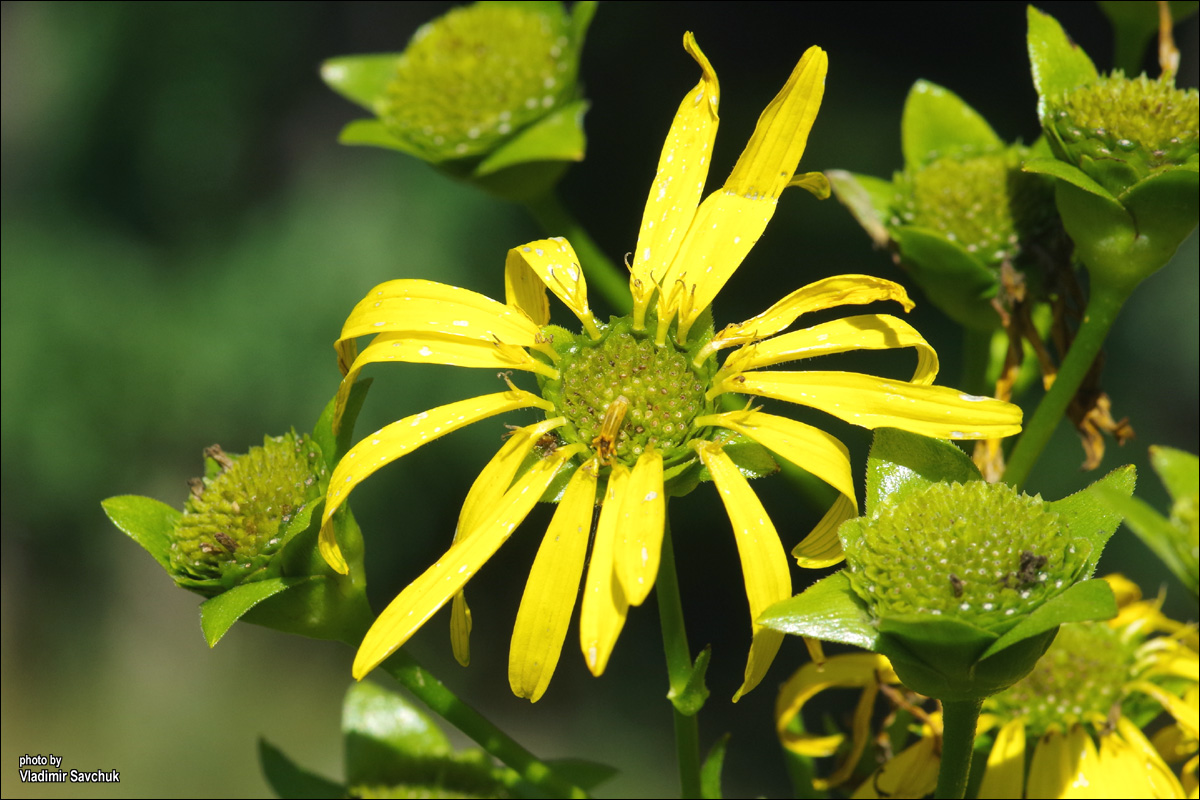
{"points": [[959, 210], [247, 537], [962, 584], [486, 93]]}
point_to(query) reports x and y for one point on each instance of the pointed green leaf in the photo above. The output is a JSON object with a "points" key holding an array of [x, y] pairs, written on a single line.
{"points": [[289, 781], [1086, 516], [953, 279], [333, 448], [373, 133], [902, 464], [1155, 531], [937, 122], [710, 770], [1057, 63], [581, 20], [827, 610], [752, 459], [361, 79], [558, 136], [1178, 470], [869, 200], [587, 775], [147, 521], [381, 730], [1071, 174], [691, 699], [1083, 602], [217, 614]]}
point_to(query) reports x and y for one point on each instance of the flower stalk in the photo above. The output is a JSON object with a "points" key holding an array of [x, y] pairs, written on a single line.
{"points": [[959, 718], [679, 670]]}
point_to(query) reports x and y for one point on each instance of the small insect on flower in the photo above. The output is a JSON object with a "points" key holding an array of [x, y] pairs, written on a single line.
{"points": [[606, 442]]}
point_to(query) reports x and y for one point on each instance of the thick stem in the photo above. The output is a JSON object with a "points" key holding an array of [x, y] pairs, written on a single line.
{"points": [[959, 720], [599, 271], [1102, 310], [433, 693], [679, 667]]}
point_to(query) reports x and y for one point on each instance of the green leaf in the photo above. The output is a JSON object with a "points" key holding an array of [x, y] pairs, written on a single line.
{"points": [[333, 448], [1083, 602], [954, 280], [869, 200], [382, 729], [217, 614], [937, 122], [581, 19], [1155, 531], [1086, 516], [373, 133], [147, 521], [1179, 470], [291, 782], [558, 136], [827, 610], [902, 464], [1057, 63], [361, 79], [710, 770], [691, 699], [752, 459], [587, 775], [1071, 174]]}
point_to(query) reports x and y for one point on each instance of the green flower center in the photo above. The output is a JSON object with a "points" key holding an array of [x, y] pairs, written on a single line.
{"points": [[1078, 679], [232, 521], [977, 552], [476, 75], [648, 394], [985, 203], [1143, 122]]}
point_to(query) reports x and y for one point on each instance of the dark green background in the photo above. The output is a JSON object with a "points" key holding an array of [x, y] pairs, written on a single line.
{"points": [[182, 237]]}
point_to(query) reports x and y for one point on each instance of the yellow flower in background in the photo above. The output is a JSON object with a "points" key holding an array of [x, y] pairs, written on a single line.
{"points": [[1081, 711], [632, 405]]}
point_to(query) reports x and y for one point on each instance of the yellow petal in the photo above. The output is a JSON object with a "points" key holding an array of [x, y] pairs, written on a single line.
{"points": [[400, 438], [678, 184], [1064, 766], [865, 332], [764, 565], [1177, 707], [822, 547], [839, 290], [871, 402], [912, 773], [1132, 767], [640, 533], [428, 593], [554, 263], [1005, 776], [460, 629], [550, 592], [852, 670], [602, 614]]}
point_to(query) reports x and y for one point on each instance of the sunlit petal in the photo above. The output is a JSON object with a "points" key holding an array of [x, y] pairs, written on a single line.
{"points": [[640, 533], [1005, 776], [554, 263], [604, 608], [1132, 767], [401, 438], [912, 773], [822, 547], [678, 184], [764, 564], [428, 593], [1064, 766], [852, 670], [550, 592], [1177, 707]]}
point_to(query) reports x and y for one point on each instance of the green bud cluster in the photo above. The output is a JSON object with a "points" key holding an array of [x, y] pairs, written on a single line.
{"points": [[1143, 123], [976, 552], [984, 202], [478, 74], [663, 392], [1078, 679], [234, 520]]}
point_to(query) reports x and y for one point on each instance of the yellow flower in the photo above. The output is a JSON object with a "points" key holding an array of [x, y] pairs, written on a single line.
{"points": [[631, 405], [1098, 683]]}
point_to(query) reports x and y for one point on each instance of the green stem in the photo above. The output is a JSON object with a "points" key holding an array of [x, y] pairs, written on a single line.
{"points": [[959, 720], [1102, 310], [679, 668], [600, 272], [977, 352], [433, 693]]}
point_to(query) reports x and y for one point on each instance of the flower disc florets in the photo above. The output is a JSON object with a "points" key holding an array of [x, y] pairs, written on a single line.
{"points": [[1145, 123], [231, 525], [476, 75], [976, 552], [647, 394]]}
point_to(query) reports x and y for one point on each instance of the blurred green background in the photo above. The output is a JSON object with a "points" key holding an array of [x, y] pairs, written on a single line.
{"points": [[182, 237]]}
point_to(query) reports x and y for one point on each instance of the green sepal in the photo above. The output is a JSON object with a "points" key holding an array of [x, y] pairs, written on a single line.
{"points": [[291, 782], [1057, 63], [217, 614], [147, 521], [710, 770], [953, 280], [902, 464], [1164, 207], [681, 479], [1085, 601], [581, 19], [1069, 173], [827, 610], [692, 697], [558, 136], [373, 133], [868, 199], [334, 447], [361, 79], [1134, 23], [937, 123], [1178, 470], [751, 458], [1088, 517]]}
